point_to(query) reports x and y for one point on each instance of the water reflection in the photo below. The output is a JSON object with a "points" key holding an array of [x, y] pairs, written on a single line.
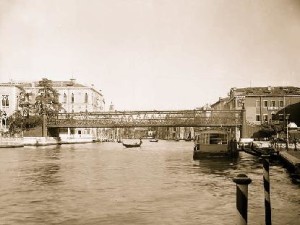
{"points": [[217, 165], [46, 174], [43, 171]]}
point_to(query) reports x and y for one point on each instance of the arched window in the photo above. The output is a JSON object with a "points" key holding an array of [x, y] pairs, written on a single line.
{"points": [[72, 98], [3, 101], [7, 101], [65, 98], [86, 98]]}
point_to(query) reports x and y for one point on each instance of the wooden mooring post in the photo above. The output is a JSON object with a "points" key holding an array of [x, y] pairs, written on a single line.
{"points": [[242, 182], [266, 177]]}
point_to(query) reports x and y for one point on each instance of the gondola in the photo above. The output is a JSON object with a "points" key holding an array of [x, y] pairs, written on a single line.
{"points": [[134, 145]]}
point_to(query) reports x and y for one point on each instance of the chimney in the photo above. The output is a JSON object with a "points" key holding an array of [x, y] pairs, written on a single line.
{"points": [[111, 107], [73, 81]]}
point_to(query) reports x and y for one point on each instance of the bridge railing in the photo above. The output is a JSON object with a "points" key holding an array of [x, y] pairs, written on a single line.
{"points": [[181, 118]]}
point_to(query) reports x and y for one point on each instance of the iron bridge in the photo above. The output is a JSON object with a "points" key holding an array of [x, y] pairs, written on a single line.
{"points": [[123, 119]]}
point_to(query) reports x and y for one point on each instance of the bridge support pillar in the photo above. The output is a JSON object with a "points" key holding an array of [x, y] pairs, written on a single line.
{"points": [[244, 125], [44, 125]]}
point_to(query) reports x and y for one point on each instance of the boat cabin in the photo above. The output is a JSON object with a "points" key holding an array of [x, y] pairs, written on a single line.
{"points": [[210, 137], [213, 143]]}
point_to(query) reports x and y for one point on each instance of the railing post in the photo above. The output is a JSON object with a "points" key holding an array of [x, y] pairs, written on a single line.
{"points": [[266, 177], [242, 182], [295, 144]]}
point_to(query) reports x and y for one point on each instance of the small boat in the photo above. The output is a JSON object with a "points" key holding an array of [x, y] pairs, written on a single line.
{"points": [[214, 143], [153, 140], [263, 148], [134, 145]]}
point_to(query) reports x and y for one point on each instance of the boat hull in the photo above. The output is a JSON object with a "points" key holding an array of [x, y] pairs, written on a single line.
{"points": [[131, 146], [134, 145], [213, 150]]}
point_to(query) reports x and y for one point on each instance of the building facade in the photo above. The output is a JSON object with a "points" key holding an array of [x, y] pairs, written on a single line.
{"points": [[261, 103], [73, 96], [9, 93]]}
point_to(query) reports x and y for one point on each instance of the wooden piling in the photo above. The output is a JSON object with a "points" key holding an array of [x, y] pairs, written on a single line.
{"points": [[242, 182]]}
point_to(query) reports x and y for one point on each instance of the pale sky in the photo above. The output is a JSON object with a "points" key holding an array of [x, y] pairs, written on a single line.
{"points": [[153, 54]]}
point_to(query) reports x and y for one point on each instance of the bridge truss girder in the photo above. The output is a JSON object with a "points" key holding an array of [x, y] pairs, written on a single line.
{"points": [[123, 119]]}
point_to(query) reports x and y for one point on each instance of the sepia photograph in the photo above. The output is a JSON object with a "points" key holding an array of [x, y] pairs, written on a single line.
{"points": [[142, 112]]}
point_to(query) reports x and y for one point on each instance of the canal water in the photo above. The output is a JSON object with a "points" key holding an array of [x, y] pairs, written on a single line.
{"points": [[159, 183]]}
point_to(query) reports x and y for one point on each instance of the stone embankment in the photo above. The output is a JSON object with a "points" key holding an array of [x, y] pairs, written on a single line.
{"points": [[42, 141], [291, 158], [11, 142]]}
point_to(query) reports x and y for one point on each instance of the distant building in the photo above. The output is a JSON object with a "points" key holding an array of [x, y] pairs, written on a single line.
{"points": [[9, 98], [261, 103], [220, 104], [9, 102], [73, 96]]}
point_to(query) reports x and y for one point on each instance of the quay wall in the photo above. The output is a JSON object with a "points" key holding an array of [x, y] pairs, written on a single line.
{"points": [[10, 142], [291, 158]]}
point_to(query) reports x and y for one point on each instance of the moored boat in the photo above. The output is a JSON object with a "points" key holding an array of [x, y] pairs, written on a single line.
{"points": [[263, 148], [132, 145], [214, 143], [257, 148], [153, 140]]}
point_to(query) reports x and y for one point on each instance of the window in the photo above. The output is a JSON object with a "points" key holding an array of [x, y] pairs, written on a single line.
{"points": [[72, 98], [5, 101], [273, 116], [86, 98], [273, 103], [265, 118], [265, 103], [65, 98], [257, 104], [281, 103], [257, 117]]}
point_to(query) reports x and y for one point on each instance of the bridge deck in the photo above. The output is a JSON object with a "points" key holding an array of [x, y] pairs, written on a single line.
{"points": [[175, 118]]}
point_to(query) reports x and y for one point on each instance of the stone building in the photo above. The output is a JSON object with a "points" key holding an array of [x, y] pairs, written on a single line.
{"points": [[9, 102], [73, 96], [261, 103]]}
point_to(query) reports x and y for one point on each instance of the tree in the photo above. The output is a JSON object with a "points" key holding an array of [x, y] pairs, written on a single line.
{"points": [[15, 122], [24, 103], [46, 101], [29, 114], [23, 118], [268, 130]]}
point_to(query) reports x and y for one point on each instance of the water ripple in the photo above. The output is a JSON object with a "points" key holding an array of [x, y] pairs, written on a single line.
{"points": [[104, 183]]}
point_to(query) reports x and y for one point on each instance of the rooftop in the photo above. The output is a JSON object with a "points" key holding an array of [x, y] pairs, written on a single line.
{"points": [[270, 90]]}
